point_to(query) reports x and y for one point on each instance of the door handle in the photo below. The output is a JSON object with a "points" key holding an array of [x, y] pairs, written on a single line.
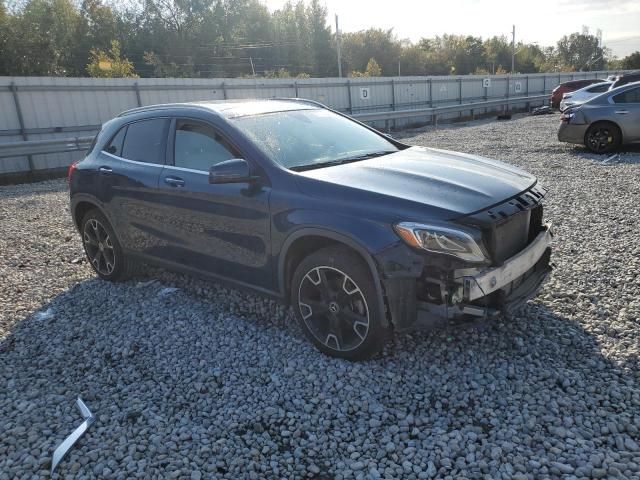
{"points": [[622, 112], [174, 181], [105, 170]]}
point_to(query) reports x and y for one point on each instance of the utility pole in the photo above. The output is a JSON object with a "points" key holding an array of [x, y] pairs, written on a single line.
{"points": [[399, 68], [513, 50], [338, 47]]}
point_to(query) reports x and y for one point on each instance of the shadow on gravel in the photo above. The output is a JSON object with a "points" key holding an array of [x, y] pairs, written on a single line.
{"points": [[176, 384]]}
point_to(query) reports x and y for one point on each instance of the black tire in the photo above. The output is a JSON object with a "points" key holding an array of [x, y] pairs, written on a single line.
{"points": [[603, 137], [102, 248], [347, 322]]}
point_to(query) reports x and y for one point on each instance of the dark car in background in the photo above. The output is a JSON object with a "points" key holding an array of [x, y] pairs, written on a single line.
{"points": [[570, 86], [605, 122], [360, 233], [625, 78]]}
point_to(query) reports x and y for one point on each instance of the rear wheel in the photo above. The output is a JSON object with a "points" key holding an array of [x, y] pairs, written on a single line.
{"points": [[336, 302], [602, 137], [102, 248]]}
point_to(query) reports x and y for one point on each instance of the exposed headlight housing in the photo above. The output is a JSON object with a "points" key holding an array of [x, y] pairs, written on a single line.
{"points": [[443, 240]]}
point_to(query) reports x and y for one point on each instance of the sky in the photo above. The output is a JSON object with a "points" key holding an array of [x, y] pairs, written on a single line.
{"points": [[541, 21]]}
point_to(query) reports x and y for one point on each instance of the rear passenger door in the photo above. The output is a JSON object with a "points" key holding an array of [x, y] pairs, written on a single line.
{"points": [[130, 166], [220, 229], [627, 113]]}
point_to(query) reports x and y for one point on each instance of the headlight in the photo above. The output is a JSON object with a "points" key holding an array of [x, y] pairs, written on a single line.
{"points": [[441, 240]]}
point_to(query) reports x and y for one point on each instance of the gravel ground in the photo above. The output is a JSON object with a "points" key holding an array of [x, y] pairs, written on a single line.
{"points": [[210, 382]]}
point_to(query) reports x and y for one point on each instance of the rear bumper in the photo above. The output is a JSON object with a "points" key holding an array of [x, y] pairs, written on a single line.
{"points": [[571, 133]]}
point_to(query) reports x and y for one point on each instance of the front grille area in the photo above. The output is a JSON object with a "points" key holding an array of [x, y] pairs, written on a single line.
{"points": [[511, 236]]}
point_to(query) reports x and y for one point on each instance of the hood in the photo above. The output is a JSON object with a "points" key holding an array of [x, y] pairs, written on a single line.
{"points": [[449, 181]]}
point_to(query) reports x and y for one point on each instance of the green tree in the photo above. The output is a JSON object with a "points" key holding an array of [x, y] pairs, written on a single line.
{"points": [[373, 69], [631, 62], [109, 64], [360, 47], [581, 52]]}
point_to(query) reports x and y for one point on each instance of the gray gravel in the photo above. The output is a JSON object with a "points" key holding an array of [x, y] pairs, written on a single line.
{"points": [[204, 382]]}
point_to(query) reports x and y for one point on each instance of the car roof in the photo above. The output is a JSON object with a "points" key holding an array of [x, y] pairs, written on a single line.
{"points": [[236, 108]]}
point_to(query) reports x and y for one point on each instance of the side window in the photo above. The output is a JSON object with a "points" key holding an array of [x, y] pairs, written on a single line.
{"points": [[144, 141], [630, 96], [114, 147], [199, 147], [599, 88]]}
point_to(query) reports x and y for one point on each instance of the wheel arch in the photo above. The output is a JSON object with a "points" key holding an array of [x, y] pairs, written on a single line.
{"points": [[305, 241], [604, 120]]}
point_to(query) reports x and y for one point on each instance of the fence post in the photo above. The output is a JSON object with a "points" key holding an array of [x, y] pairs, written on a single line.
{"points": [[393, 99], [16, 101], [527, 85], [508, 94], [431, 99], [460, 95], [224, 90], [136, 87], [350, 100], [295, 86]]}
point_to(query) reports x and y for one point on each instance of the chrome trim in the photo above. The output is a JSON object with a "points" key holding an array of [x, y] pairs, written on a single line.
{"points": [[135, 162], [183, 169], [488, 281]]}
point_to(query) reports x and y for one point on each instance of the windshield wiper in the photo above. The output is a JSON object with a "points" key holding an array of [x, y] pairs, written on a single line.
{"points": [[341, 161]]}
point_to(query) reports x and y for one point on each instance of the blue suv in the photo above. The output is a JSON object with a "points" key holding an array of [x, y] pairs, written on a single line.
{"points": [[362, 234]]}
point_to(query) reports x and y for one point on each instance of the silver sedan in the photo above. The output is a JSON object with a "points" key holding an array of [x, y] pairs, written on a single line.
{"points": [[605, 122]]}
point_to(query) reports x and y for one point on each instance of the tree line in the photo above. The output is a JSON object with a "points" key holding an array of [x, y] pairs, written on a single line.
{"points": [[242, 38]]}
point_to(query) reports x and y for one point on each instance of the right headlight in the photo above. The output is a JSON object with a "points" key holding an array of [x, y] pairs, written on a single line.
{"points": [[444, 240]]}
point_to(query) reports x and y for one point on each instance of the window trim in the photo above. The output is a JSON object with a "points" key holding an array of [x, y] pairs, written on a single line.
{"points": [[613, 102], [171, 144], [126, 125]]}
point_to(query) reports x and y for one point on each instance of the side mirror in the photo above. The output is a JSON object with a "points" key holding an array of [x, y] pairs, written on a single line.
{"points": [[235, 170]]}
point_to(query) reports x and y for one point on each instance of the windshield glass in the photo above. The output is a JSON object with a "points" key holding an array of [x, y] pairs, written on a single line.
{"points": [[304, 139]]}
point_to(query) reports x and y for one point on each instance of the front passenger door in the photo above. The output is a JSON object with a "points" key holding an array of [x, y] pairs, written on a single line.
{"points": [[220, 229]]}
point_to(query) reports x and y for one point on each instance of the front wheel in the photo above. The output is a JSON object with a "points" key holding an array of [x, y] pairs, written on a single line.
{"points": [[602, 137], [336, 302]]}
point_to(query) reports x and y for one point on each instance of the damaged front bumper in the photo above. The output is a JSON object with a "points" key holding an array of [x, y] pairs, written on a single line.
{"points": [[472, 292]]}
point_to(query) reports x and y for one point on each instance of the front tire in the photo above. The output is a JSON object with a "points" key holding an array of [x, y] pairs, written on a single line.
{"points": [[602, 137], [102, 248], [336, 302]]}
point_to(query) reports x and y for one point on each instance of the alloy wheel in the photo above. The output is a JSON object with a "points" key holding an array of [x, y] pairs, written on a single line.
{"points": [[99, 247], [600, 139], [334, 308]]}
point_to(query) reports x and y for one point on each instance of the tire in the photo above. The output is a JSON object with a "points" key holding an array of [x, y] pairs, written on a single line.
{"points": [[336, 302], [102, 248], [602, 137]]}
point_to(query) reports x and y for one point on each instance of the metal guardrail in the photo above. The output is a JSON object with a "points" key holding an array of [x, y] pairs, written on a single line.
{"points": [[433, 111], [39, 147]]}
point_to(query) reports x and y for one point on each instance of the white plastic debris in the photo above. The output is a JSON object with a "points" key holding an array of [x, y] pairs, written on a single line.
{"points": [[146, 284], [65, 446], [47, 314], [167, 291]]}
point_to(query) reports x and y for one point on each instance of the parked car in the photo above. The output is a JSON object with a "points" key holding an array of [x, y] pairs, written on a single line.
{"points": [[570, 86], [605, 122], [360, 233], [625, 78], [580, 96]]}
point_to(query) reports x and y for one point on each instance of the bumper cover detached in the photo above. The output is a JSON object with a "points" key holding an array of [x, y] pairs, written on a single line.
{"points": [[488, 292]]}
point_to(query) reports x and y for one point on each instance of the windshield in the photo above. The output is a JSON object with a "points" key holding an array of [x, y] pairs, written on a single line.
{"points": [[305, 139]]}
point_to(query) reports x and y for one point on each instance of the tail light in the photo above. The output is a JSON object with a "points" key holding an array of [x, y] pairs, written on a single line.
{"points": [[566, 116], [72, 168]]}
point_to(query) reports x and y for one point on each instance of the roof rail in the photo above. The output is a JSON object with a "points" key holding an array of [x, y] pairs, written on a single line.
{"points": [[301, 100], [161, 106]]}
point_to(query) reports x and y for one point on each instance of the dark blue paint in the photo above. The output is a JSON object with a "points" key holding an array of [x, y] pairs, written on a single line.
{"points": [[241, 231]]}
